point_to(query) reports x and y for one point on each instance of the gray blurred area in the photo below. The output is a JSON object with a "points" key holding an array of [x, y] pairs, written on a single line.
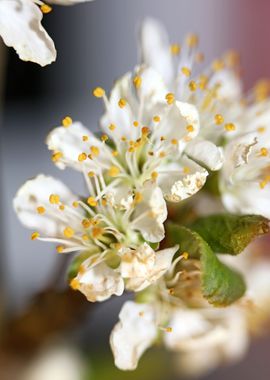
{"points": [[96, 43]]}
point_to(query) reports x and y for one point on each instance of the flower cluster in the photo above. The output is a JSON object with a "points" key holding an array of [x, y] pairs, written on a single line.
{"points": [[178, 174]]}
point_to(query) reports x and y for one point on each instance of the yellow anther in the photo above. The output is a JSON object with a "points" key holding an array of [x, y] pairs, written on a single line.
{"points": [[219, 119], [186, 71], [185, 255], [85, 237], [203, 81], [156, 119], [75, 204], [103, 202], [192, 85], [264, 152], [217, 65], [174, 141], [113, 171], [162, 154], [135, 123], [62, 207], [162, 138], [86, 223], [229, 127], [199, 57], [45, 8], [104, 138], [114, 153], [141, 313], [75, 284], [168, 329], [232, 58], [137, 81], [263, 184], [190, 128], [131, 149], [68, 232], [59, 249], [171, 291], [67, 121], [175, 49], [91, 174], [262, 90], [54, 199], [138, 197], [41, 210], [261, 129], [112, 127], [145, 131], [154, 175], [98, 92], [82, 157], [56, 156], [150, 153], [192, 40], [91, 201], [122, 103], [34, 235], [85, 138], [186, 170], [94, 150], [170, 98], [123, 138], [97, 231]]}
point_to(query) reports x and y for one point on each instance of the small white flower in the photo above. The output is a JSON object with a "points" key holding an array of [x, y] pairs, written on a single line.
{"points": [[144, 266], [133, 334], [245, 177], [20, 27]]}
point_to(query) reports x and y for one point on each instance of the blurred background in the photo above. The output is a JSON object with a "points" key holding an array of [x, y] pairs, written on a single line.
{"points": [[96, 43]]}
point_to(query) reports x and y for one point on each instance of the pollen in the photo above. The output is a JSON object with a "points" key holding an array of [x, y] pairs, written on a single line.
{"points": [[185, 255], [264, 152], [145, 131], [190, 128], [192, 85], [75, 204], [86, 223], [94, 150], [218, 119], [162, 154], [59, 249], [199, 57], [156, 119], [85, 138], [135, 123], [203, 81], [192, 40], [122, 103], [217, 65], [103, 202], [170, 98], [113, 171], [104, 138], [91, 174], [229, 127], [175, 49], [67, 121], [97, 231], [115, 153], [168, 329], [261, 129], [98, 92], [112, 127], [137, 81], [186, 71], [138, 197], [75, 284], [56, 156], [85, 237], [263, 184], [154, 175], [61, 207], [45, 8], [34, 235], [54, 199], [174, 141], [41, 210], [91, 201], [82, 157], [68, 232], [186, 170]]}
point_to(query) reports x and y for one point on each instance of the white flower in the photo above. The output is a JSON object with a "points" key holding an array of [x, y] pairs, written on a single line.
{"points": [[133, 334], [98, 282], [245, 177], [144, 266], [20, 27]]}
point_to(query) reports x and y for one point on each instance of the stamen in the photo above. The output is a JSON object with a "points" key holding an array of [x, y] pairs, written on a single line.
{"points": [[54, 199], [192, 85], [98, 92], [92, 202], [175, 49], [85, 138], [67, 121], [82, 157], [122, 103], [264, 152], [104, 138], [45, 8], [230, 127], [186, 71], [59, 249], [190, 128], [34, 235], [75, 284], [156, 119], [219, 119], [137, 81], [192, 40], [170, 98], [56, 156], [68, 232], [135, 123], [112, 127], [41, 210], [113, 171]]}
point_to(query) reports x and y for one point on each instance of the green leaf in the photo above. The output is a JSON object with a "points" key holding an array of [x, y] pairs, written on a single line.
{"points": [[226, 233], [220, 284], [75, 265]]}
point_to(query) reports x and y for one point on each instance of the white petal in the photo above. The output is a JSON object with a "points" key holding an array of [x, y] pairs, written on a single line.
{"points": [[150, 213], [100, 282], [35, 193], [205, 153], [20, 27], [69, 142], [133, 334], [178, 184], [155, 49]]}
